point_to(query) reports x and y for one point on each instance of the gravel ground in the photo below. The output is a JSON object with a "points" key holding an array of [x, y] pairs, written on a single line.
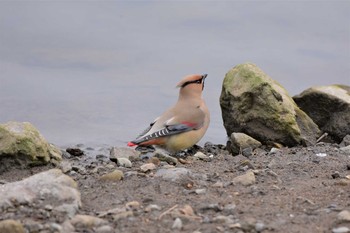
{"points": [[300, 189]]}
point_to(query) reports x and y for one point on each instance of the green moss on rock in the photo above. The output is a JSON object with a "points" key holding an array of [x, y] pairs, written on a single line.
{"points": [[253, 103], [23, 142]]}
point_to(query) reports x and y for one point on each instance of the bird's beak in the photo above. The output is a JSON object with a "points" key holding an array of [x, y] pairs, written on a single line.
{"points": [[203, 79]]}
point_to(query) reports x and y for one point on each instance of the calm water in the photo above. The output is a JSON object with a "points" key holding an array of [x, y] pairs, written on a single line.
{"points": [[99, 72]]}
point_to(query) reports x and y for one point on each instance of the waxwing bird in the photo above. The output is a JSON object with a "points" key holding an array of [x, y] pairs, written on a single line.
{"points": [[184, 124]]}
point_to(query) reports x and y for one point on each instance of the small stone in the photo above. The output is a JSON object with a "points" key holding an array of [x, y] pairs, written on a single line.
{"points": [[340, 230], [200, 191], [152, 207], [172, 173], [113, 176], [274, 150], [218, 184], [335, 175], [259, 226], [132, 205], [148, 167], [321, 154], [154, 160], [215, 207], [223, 220], [246, 179], [122, 215], [104, 229], [164, 157], [87, 221], [202, 156], [343, 182], [247, 152], [345, 141], [75, 151], [11, 226], [123, 152], [240, 141], [187, 210], [55, 227], [65, 166], [177, 224], [344, 216], [229, 209], [346, 149], [124, 162]]}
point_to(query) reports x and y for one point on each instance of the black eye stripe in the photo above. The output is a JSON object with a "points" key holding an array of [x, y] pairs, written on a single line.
{"points": [[198, 81]]}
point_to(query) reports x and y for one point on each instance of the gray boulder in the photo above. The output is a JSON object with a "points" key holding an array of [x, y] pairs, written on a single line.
{"points": [[51, 187], [22, 144], [329, 108], [253, 103]]}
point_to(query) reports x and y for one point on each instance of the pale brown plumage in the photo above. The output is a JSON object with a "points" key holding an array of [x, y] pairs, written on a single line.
{"points": [[184, 124]]}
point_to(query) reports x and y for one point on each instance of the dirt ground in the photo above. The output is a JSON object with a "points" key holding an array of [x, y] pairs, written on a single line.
{"points": [[299, 189]]}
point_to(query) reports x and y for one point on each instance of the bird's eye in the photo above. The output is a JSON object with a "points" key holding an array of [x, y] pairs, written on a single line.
{"points": [[199, 81]]}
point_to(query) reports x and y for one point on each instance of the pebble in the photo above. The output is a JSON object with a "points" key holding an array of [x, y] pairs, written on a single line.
{"points": [[124, 162], [65, 166], [229, 209], [215, 207], [122, 215], [346, 141], [148, 167], [87, 221], [132, 205], [218, 184], [259, 226], [223, 219], [166, 158], [321, 154], [274, 150], [11, 226], [172, 174], [200, 191], [340, 230], [154, 160], [75, 151], [113, 176], [247, 152], [201, 156], [152, 207], [123, 152], [177, 224], [246, 179], [104, 229], [346, 149], [344, 216], [335, 175]]}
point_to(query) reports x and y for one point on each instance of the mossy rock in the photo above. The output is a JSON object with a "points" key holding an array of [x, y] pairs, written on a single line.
{"points": [[22, 144], [255, 104]]}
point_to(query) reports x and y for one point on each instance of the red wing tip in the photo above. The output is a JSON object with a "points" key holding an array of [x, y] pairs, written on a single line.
{"points": [[131, 144]]}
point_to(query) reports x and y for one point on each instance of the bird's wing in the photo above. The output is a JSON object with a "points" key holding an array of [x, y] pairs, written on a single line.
{"points": [[147, 129], [174, 125]]}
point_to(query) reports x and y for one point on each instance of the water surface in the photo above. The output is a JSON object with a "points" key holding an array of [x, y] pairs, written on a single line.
{"points": [[99, 72]]}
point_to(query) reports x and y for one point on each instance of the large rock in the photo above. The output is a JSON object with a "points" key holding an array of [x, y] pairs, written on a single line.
{"points": [[254, 104], [22, 144], [51, 187], [329, 108]]}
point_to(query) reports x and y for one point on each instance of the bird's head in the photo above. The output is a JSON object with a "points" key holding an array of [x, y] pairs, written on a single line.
{"points": [[192, 84]]}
